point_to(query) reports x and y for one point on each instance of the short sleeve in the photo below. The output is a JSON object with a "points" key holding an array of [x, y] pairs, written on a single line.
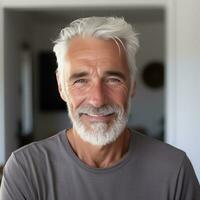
{"points": [[187, 187], [15, 184]]}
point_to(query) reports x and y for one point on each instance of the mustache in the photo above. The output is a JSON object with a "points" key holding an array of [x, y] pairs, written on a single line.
{"points": [[103, 110]]}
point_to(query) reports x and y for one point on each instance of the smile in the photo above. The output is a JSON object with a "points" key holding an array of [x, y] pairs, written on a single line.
{"points": [[99, 117]]}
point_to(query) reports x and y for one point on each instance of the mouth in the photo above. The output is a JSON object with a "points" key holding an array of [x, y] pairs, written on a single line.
{"points": [[97, 117]]}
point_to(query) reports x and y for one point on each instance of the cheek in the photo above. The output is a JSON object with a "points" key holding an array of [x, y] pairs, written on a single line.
{"points": [[76, 97], [119, 95]]}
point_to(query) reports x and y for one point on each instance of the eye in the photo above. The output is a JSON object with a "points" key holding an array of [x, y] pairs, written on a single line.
{"points": [[113, 80], [80, 82]]}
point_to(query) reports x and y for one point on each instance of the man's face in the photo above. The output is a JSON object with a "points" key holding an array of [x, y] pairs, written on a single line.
{"points": [[98, 81]]}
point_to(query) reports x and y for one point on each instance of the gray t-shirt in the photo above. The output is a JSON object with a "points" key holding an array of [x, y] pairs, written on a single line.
{"points": [[50, 170]]}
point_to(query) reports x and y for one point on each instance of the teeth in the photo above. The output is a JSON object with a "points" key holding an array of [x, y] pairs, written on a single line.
{"points": [[96, 115], [101, 115]]}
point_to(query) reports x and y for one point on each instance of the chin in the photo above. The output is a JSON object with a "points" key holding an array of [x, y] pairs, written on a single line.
{"points": [[100, 134]]}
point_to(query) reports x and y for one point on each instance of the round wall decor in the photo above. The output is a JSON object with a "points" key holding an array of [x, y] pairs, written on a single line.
{"points": [[153, 74]]}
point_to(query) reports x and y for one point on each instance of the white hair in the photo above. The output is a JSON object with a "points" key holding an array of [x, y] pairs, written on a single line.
{"points": [[115, 28]]}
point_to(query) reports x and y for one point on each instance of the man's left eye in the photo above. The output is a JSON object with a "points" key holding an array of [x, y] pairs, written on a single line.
{"points": [[114, 80]]}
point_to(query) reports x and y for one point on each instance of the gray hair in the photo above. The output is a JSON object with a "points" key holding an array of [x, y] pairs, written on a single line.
{"points": [[99, 27]]}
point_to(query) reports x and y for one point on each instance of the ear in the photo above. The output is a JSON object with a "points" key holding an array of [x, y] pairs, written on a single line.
{"points": [[60, 89], [133, 88]]}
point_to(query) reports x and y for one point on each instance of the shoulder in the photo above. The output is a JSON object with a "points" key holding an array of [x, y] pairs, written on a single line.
{"points": [[40, 150], [157, 154], [27, 168], [155, 145], [165, 164]]}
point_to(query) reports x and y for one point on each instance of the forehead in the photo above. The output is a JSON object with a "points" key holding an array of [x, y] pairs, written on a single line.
{"points": [[94, 49]]}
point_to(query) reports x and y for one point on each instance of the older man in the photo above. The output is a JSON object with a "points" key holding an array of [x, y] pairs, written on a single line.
{"points": [[99, 157]]}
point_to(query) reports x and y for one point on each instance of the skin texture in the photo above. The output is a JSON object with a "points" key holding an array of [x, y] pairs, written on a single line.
{"points": [[97, 75]]}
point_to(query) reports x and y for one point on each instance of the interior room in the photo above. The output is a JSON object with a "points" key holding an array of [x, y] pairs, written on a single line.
{"points": [[166, 103], [29, 37]]}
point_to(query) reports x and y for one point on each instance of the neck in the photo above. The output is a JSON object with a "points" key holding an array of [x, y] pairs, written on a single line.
{"points": [[99, 156]]}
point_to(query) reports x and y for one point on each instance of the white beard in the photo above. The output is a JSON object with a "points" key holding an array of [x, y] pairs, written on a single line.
{"points": [[99, 133]]}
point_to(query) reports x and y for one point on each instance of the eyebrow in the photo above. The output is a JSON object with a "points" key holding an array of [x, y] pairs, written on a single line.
{"points": [[115, 73], [78, 75]]}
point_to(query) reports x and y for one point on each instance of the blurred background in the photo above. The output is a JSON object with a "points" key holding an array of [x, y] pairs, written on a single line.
{"points": [[166, 104]]}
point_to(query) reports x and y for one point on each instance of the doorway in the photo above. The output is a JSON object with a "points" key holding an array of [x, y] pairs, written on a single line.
{"points": [[37, 29]]}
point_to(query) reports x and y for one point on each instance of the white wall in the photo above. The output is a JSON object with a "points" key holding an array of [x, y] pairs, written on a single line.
{"points": [[188, 79]]}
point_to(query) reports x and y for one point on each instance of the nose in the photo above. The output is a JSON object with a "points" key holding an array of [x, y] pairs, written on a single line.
{"points": [[97, 94]]}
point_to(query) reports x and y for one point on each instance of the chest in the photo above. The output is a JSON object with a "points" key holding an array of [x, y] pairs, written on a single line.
{"points": [[125, 183]]}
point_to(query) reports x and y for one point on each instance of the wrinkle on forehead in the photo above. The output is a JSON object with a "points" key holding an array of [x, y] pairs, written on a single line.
{"points": [[87, 46]]}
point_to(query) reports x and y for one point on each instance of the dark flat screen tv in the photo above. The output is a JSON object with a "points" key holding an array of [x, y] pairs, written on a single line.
{"points": [[49, 98]]}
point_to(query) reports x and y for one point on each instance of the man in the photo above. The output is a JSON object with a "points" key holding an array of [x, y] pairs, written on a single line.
{"points": [[99, 157]]}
